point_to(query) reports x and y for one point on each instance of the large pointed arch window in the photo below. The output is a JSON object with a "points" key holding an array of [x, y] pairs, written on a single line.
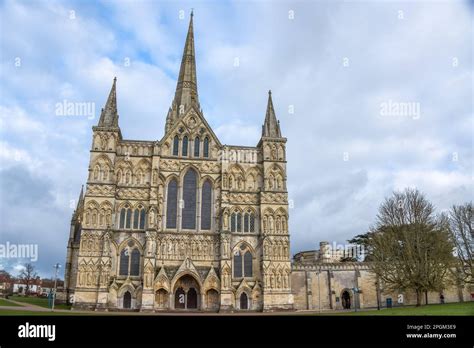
{"points": [[239, 222], [247, 264], [124, 260], [142, 219], [189, 200], [197, 145], [122, 218], [172, 204], [129, 260], [206, 205], [135, 263], [175, 146], [243, 262], [128, 221], [249, 221], [233, 218], [237, 265], [206, 147], [184, 150], [136, 215], [125, 220]]}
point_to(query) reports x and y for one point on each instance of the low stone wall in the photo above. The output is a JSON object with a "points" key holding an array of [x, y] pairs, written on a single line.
{"points": [[323, 286]]}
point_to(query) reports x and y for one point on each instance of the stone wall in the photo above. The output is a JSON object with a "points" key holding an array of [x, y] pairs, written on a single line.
{"points": [[317, 287]]}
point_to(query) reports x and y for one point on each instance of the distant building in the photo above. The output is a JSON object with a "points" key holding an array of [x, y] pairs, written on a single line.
{"points": [[320, 281], [20, 288]]}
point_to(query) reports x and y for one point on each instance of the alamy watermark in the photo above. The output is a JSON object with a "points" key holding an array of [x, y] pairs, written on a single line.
{"points": [[69, 108], [338, 251], [19, 251], [238, 156], [400, 109]]}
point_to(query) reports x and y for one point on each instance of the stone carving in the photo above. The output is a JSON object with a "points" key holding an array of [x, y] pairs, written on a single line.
{"points": [[178, 247], [132, 193]]}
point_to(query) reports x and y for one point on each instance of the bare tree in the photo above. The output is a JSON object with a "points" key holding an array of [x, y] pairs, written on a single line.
{"points": [[409, 246], [27, 276], [460, 221]]}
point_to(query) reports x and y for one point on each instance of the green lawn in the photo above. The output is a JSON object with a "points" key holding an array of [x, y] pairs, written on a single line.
{"points": [[465, 308], [8, 312], [4, 302], [38, 301]]}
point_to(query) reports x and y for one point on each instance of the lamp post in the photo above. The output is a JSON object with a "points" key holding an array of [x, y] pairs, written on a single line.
{"points": [[56, 266], [356, 292]]}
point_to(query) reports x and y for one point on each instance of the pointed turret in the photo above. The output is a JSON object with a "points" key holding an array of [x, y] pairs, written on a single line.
{"points": [[271, 127], [79, 205], [81, 199], [109, 115]]}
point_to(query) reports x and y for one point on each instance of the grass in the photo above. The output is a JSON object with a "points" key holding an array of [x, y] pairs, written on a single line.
{"points": [[4, 302], [9, 312], [465, 308], [37, 301]]}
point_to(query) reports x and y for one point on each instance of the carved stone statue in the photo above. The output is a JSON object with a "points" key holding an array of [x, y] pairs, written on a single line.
{"points": [[106, 246], [225, 220], [151, 218]]}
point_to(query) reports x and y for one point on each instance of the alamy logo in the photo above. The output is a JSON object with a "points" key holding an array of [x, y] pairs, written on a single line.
{"points": [[37, 331], [394, 108], [68, 108], [26, 251]]}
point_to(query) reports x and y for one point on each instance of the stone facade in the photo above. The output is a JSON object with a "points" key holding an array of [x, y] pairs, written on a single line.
{"points": [[321, 283], [183, 222]]}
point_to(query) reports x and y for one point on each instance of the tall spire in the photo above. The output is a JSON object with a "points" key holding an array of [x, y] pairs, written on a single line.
{"points": [[186, 88], [79, 205], [109, 115], [271, 127]]}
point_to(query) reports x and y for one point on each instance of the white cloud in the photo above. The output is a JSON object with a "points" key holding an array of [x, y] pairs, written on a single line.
{"points": [[337, 108]]}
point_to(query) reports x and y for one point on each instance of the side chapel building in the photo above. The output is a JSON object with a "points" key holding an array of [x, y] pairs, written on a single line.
{"points": [[183, 222]]}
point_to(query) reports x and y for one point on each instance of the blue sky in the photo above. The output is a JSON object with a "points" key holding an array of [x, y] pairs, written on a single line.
{"points": [[335, 63]]}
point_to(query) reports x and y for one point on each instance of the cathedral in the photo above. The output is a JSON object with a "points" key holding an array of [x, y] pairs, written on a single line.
{"points": [[183, 222]]}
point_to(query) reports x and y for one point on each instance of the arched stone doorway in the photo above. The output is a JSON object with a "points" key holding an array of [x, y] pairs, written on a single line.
{"points": [[346, 299], [127, 300], [244, 301], [186, 294]]}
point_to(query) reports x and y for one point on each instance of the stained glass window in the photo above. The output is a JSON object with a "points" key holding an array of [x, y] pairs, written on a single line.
{"points": [[129, 218], [135, 218], [189, 198], [184, 150], [237, 265], [135, 263], [206, 205], [142, 219], [122, 218], [175, 146], [239, 222], [232, 222], [171, 204], [124, 257], [248, 264], [197, 144], [206, 147]]}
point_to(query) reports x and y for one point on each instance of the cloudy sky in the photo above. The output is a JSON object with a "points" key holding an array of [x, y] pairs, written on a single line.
{"points": [[372, 97]]}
